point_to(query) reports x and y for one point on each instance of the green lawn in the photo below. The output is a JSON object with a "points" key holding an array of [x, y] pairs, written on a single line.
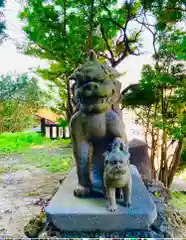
{"points": [[17, 142], [52, 155], [52, 162]]}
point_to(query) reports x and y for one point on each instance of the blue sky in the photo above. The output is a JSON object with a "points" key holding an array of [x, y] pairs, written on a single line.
{"points": [[12, 60]]}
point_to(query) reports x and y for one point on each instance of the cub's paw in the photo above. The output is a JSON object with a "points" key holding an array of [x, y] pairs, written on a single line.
{"points": [[81, 192], [113, 208], [127, 204]]}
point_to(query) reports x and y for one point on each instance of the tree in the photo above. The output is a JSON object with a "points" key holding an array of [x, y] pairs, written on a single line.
{"points": [[64, 31], [163, 114], [20, 97], [2, 22], [11, 84], [166, 13]]}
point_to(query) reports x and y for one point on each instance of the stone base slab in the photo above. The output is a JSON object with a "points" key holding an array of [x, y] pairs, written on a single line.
{"points": [[69, 213]]}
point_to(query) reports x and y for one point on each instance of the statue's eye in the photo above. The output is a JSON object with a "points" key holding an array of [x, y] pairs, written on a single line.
{"points": [[106, 161], [114, 162], [121, 161]]}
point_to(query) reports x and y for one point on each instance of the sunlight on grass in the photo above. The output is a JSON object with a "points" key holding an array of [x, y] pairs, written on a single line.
{"points": [[32, 194], [17, 142]]}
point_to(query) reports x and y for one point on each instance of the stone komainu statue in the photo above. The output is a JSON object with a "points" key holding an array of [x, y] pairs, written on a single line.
{"points": [[96, 122]]}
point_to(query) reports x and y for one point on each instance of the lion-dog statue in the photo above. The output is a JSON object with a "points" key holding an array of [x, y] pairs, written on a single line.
{"points": [[117, 176], [96, 123]]}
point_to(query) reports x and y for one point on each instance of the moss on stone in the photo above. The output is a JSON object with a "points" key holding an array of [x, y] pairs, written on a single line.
{"points": [[35, 226]]}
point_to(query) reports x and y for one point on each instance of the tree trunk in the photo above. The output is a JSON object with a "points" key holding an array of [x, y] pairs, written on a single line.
{"points": [[153, 153], [163, 175], [176, 159]]}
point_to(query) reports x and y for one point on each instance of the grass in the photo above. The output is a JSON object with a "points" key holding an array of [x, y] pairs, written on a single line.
{"points": [[178, 200], [50, 162], [17, 142], [36, 151]]}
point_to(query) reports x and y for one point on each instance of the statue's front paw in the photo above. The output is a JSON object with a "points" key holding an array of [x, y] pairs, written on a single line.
{"points": [[113, 208], [127, 204], [81, 191]]}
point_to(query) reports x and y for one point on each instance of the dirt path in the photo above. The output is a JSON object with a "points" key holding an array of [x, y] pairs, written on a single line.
{"points": [[20, 192]]}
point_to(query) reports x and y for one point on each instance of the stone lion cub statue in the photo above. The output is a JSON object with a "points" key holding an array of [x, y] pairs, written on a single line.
{"points": [[117, 176]]}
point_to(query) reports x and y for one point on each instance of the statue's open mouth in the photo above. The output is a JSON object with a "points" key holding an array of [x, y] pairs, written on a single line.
{"points": [[94, 100]]}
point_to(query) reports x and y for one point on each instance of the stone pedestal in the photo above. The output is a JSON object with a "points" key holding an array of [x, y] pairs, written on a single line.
{"points": [[69, 213]]}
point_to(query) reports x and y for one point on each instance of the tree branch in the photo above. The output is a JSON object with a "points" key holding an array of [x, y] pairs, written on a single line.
{"points": [[125, 40], [153, 33], [107, 44]]}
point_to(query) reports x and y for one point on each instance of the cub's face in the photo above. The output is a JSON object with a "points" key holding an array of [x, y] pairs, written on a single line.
{"points": [[116, 164]]}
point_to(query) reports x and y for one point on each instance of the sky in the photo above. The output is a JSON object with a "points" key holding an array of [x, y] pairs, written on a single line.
{"points": [[12, 60]]}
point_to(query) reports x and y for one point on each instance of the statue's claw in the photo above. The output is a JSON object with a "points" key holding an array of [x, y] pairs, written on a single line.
{"points": [[113, 208], [81, 192]]}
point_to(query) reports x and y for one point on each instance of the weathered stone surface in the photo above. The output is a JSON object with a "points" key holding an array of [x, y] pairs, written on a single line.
{"points": [[97, 120], [69, 213], [140, 158]]}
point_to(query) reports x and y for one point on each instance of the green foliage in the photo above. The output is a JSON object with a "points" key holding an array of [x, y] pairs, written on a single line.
{"points": [[62, 123], [2, 22], [22, 87], [181, 52], [51, 28], [61, 106], [15, 116], [166, 12], [20, 97], [161, 101], [9, 85], [64, 31], [162, 87], [139, 95], [16, 142]]}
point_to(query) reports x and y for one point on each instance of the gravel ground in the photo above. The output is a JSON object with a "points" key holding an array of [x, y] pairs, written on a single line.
{"points": [[20, 194]]}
